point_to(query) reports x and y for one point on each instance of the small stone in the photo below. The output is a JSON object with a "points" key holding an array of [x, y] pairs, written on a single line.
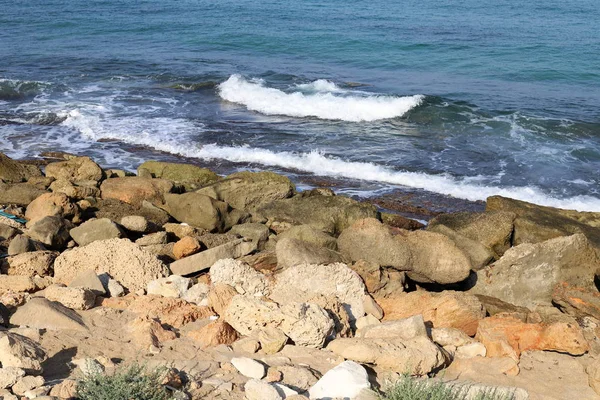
{"points": [[96, 229], [153, 239], [135, 223], [27, 383], [246, 345], [283, 390], [71, 297], [172, 286], [67, 389], [214, 334], [471, 350], [197, 294], [271, 340], [406, 328], [19, 244], [220, 296], [259, 390], [21, 352], [186, 247], [273, 375], [89, 280], [249, 367], [346, 381]]}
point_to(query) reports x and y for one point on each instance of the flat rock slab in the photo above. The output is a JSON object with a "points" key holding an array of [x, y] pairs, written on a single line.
{"points": [[205, 259], [44, 314]]}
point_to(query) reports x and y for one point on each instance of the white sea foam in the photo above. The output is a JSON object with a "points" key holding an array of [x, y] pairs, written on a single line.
{"points": [[321, 85], [323, 104]]}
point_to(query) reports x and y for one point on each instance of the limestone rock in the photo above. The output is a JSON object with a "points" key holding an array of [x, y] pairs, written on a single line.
{"points": [[292, 252], [21, 352], [205, 259], [308, 234], [450, 337], [197, 294], [134, 190], [122, 260], [116, 210], [135, 223], [249, 367], [26, 384], [271, 340], [186, 247], [50, 205], [256, 389], [346, 381], [7, 232], [44, 314], [220, 296], [202, 211], [302, 282], [190, 176], [153, 239], [527, 274], [89, 280], [96, 229], [330, 214], [446, 309], [75, 169], [16, 283], [51, 231], [76, 191], [29, 264], [12, 171], [576, 301], [20, 244], [20, 194], [71, 297], [252, 231], [405, 329], [214, 334], [146, 332], [478, 254], [240, 276], [9, 376], [171, 286], [182, 230], [250, 190]]}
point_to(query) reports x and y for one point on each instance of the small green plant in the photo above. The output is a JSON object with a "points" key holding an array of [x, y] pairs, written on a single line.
{"points": [[407, 388], [128, 383]]}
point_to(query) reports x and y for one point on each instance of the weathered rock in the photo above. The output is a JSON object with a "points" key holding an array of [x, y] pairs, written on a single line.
{"points": [[51, 231], [146, 332], [371, 274], [29, 264], [75, 169], [478, 254], [135, 223], [186, 247], [311, 235], [96, 229], [447, 309], [495, 306], [576, 301], [26, 384], [303, 282], [214, 334], [190, 176], [41, 182], [20, 194], [12, 171], [20, 244], [202, 211], [256, 389], [220, 296], [330, 214], [205, 259], [197, 294], [171, 286], [21, 352], [493, 229], [271, 340], [471, 350], [169, 311], [50, 205], [134, 190], [249, 367], [593, 371], [65, 390], [116, 210], [306, 324], [450, 337], [346, 380], [404, 329], [76, 191], [8, 232], [124, 261], [527, 274], [292, 252], [152, 239], [246, 345], [71, 297], [9, 376], [417, 356], [44, 314], [253, 231], [508, 336], [89, 280], [182, 230], [250, 190], [240, 276], [16, 283]]}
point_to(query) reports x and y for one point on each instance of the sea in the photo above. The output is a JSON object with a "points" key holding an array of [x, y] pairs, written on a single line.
{"points": [[449, 99]]}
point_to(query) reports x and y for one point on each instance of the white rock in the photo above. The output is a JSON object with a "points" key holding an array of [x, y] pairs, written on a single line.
{"points": [[283, 390], [365, 321], [249, 367], [172, 286], [345, 381], [197, 294], [471, 350], [241, 276], [259, 390]]}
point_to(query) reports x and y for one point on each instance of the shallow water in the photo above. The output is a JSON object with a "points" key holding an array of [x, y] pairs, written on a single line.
{"points": [[465, 100]]}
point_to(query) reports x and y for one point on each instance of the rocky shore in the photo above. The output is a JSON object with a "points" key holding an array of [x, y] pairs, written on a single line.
{"points": [[247, 289]]}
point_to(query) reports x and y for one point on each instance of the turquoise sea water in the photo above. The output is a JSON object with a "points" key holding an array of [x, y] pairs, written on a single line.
{"points": [[465, 99]]}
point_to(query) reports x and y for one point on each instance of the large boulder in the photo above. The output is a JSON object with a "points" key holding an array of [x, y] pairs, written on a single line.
{"points": [[527, 274], [307, 281], [492, 229], [249, 190], [29, 264], [12, 171], [205, 259], [306, 324], [190, 176], [426, 256], [308, 234], [96, 229], [41, 313], [292, 252], [535, 224], [416, 356], [123, 260], [202, 211], [75, 170], [20, 194], [330, 214], [50, 205], [20, 352], [478, 254], [134, 190], [447, 309]]}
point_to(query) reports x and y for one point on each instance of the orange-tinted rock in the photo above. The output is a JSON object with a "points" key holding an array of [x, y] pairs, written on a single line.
{"points": [[446, 309], [134, 190], [146, 332], [50, 205], [214, 334], [186, 247], [220, 296], [170, 311], [577, 301], [506, 335]]}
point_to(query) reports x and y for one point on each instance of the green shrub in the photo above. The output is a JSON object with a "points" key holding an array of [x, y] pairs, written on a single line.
{"points": [[132, 382], [408, 388]]}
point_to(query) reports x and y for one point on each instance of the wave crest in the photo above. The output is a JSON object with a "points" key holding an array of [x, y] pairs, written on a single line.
{"points": [[323, 104]]}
